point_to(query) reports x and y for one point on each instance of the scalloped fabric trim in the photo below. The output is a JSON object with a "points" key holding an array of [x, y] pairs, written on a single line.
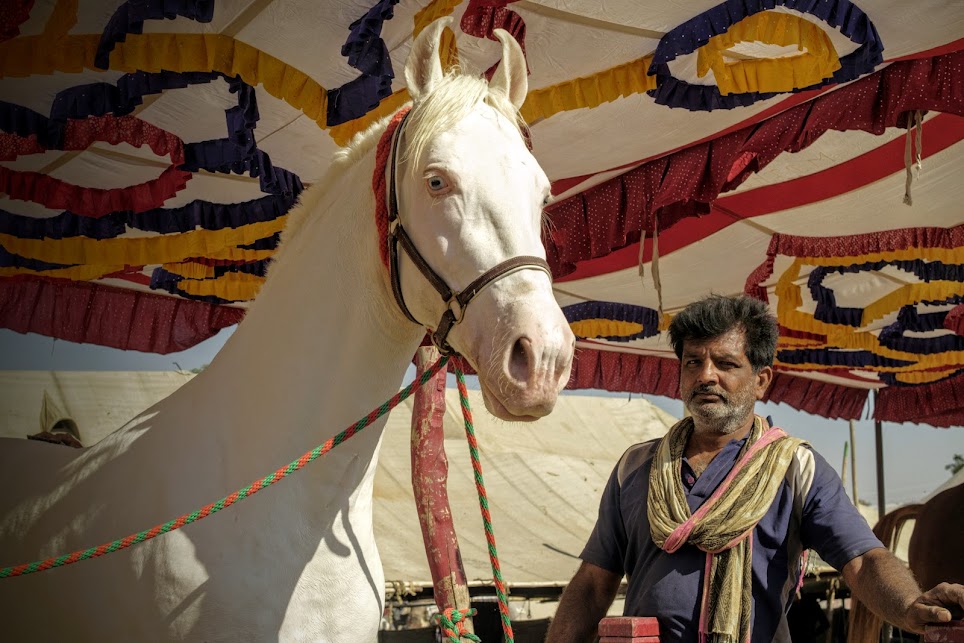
{"points": [[817, 62]]}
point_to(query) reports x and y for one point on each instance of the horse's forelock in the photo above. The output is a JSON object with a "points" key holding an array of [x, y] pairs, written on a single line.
{"points": [[449, 102]]}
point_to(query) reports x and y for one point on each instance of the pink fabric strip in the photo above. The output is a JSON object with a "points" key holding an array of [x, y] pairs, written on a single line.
{"points": [[682, 533], [705, 603], [704, 634]]}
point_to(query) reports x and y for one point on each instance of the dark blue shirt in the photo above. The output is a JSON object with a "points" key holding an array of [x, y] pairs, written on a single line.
{"points": [[669, 586]]}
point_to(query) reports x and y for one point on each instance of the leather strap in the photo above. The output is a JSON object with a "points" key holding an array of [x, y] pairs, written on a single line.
{"points": [[456, 302]]}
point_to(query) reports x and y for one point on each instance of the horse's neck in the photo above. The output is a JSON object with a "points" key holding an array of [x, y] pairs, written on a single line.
{"points": [[323, 344]]}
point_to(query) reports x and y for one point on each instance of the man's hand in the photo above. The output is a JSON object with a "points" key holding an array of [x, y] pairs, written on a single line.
{"points": [[940, 605], [584, 603]]}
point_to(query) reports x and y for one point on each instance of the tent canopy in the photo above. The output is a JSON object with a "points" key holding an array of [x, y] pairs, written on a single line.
{"points": [[544, 479], [149, 152]]}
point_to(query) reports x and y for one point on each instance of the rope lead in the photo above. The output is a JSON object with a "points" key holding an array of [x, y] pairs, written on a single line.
{"points": [[484, 506], [452, 622]]}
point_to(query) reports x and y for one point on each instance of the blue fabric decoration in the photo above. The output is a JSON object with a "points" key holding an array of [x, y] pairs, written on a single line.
{"points": [[131, 16], [696, 32], [194, 215], [830, 357], [827, 310], [10, 260], [366, 52], [236, 153], [908, 319], [647, 317]]}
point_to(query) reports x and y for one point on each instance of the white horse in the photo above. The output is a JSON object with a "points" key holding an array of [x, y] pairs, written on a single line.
{"points": [[324, 343]]}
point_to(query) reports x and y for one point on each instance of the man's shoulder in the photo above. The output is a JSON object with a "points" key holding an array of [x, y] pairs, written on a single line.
{"points": [[634, 458]]}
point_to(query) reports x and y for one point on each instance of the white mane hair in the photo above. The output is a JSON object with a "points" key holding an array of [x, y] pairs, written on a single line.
{"points": [[450, 101]]}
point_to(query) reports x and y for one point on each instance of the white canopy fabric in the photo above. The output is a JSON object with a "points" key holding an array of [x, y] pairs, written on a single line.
{"points": [[544, 479], [149, 151]]}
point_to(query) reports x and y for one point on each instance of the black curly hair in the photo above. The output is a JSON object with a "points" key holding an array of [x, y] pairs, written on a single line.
{"points": [[716, 315]]}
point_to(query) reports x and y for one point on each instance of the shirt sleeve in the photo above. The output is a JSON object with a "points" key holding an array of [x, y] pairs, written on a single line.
{"points": [[831, 523], [606, 547]]}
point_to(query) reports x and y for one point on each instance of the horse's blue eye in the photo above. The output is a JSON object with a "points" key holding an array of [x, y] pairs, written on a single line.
{"points": [[436, 183]]}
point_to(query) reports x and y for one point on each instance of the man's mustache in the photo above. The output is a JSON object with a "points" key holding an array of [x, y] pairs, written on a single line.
{"points": [[706, 389]]}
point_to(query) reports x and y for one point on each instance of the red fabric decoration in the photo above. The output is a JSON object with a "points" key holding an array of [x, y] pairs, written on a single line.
{"points": [[627, 372], [938, 404], [819, 398], [612, 371], [12, 146], [380, 182], [849, 246], [95, 202], [659, 193], [955, 320], [13, 13], [115, 317], [481, 17]]}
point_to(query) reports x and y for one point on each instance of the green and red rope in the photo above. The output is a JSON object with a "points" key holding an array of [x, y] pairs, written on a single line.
{"points": [[451, 621], [484, 506], [227, 501]]}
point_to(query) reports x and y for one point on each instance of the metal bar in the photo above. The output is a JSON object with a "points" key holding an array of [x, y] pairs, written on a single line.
{"points": [[429, 482]]}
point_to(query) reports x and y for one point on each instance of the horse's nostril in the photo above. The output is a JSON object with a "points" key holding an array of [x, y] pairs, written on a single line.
{"points": [[519, 360]]}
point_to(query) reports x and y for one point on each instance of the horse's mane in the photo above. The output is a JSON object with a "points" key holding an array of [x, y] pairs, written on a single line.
{"points": [[450, 101]]}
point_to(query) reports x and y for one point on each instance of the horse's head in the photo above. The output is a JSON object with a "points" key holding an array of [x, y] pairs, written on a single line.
{"points": [[470, 197]]}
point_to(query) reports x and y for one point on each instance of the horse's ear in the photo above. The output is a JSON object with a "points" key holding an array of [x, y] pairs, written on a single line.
{"points": [[511, 76], [424, 67]]}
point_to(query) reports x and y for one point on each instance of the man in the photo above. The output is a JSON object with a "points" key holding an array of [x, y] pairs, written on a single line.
{"points": [[722, 481]]}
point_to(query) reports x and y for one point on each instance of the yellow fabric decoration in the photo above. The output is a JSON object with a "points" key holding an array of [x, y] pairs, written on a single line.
{"points": [[231, 254], [41, 55], [216, 52], [929, 291], [190, 270], [590, 328], [62, 19], [432, 12], [235, 286], [846, 337], [924, 377], [342, 134], [88, 272], [770, 74], [141, 251], [589, 91], [664, 322]]}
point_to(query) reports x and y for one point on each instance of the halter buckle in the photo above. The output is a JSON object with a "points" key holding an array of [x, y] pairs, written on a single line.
{"points": [[456, 308]]}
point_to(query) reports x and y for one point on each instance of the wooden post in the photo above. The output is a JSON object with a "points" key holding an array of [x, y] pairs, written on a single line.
{"points": [[853, 463], [429, 480]]}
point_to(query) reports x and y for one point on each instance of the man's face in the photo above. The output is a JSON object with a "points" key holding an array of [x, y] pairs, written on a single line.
{"points": [[717, 382]]}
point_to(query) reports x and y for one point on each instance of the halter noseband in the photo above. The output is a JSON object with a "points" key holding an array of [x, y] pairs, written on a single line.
{"points": [[456, 302]]}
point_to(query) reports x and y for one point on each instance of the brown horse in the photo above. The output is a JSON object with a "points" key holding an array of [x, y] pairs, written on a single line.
{"points": [[935, 551]]}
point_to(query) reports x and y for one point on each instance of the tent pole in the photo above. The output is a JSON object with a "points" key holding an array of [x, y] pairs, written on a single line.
{"points": [[879, 437], [430, 471], [853, 463]]}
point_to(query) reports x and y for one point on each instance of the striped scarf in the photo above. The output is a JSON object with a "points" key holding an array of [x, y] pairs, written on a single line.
{"points": [[723, 525]]}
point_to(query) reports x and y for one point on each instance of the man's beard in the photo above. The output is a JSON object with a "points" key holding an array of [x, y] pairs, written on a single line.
{"points": [[725, 416]]}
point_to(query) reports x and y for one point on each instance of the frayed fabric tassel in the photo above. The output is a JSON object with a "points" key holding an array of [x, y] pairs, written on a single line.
{"points": [[912, 156], [656, 282], [655, 268]]}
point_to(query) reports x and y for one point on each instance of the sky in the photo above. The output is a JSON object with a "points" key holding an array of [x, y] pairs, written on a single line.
{"points": [[914, 455]]}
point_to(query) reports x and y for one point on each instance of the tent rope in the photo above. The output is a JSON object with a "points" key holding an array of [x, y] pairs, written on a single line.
{"points": [[227, 501]]}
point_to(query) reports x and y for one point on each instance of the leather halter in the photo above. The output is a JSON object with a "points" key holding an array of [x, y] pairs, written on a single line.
{"points": [[455, 301]]}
